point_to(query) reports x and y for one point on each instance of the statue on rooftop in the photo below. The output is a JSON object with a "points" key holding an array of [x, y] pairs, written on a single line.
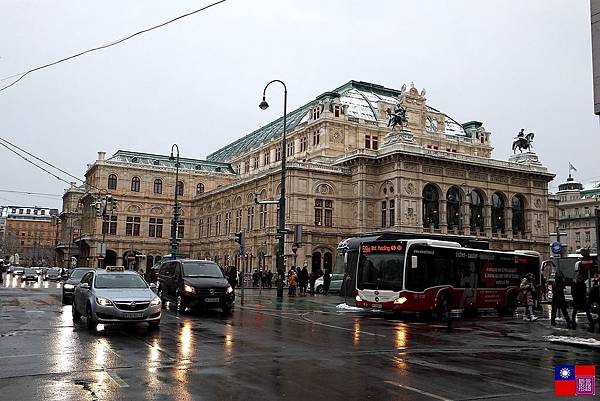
{"points": [[397, 117], [522, 141]]}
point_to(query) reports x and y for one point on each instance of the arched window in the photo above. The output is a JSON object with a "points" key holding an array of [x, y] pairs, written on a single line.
{"points": [[497, 213], [476, 211], [179, 188], [453, 208], [431, 206], [135, 184], [199, 188], [316, 261], [158, 186], [518, 215], [112, 181]]}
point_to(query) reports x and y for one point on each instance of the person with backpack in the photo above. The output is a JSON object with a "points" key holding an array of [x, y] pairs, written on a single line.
{"points": [[526, 296], [558, 299]]}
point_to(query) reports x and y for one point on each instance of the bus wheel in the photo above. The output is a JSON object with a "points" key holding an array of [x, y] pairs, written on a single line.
{"points": [[443, 308]]}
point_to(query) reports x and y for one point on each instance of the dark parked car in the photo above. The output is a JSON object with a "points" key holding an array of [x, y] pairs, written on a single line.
{"points": [[52, 275], [74, 279], [29, 274], [193, 283]]}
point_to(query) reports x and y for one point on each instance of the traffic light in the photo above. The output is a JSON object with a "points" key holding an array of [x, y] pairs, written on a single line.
{"points": [[239, 238], [98, 206]]}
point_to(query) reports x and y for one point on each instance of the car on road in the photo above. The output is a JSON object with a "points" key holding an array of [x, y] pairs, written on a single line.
{"points": [[194, 283], [52, 274], [115, 295], [29, 274], [73, 280], [17, 270], [336, 283], [40, 270]]}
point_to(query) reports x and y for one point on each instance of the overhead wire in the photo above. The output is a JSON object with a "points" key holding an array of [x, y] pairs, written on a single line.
{"points": [[24, 74]]}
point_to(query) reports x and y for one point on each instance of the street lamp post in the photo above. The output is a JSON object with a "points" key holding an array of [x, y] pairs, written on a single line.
{"points": [[281, 226], [174, 244]]}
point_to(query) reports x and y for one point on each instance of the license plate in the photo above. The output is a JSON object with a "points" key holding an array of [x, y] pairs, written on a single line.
{"points": [[133, 315], [376, 306], [211, 299]]}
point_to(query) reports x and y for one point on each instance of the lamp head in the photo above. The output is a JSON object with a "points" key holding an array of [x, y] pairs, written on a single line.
{"points": [[171, 157], [263, 105]]}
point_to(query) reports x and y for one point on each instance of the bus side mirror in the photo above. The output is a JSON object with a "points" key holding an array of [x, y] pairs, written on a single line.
{"points": [[413, 261], [346, 258]]}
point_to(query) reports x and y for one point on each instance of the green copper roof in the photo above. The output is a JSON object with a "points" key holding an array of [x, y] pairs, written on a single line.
{"points": [[148, 159], [361, 99]]}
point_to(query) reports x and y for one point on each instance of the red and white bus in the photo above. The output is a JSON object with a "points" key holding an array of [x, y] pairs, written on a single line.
{"points": [[422, 275]]}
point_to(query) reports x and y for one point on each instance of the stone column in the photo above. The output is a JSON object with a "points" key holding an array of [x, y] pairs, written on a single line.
{"points": [[442, 218], [508, 222], [487, 220], [466, 218]]}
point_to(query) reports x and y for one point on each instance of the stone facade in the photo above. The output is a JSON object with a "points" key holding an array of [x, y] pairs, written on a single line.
{"points": [[577, 215], [144, 187], [348, 174], [32, 232]]}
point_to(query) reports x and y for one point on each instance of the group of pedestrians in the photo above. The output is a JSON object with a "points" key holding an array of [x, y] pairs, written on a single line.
{"points": [[582, 301], [262, 278], [300, 281]]}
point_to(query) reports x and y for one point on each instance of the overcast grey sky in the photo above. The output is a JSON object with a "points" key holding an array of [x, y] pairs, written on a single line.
{"points": [[510, 64]]}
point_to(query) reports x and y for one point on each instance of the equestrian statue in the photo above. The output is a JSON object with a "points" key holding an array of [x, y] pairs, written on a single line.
{"points": [[397, 117], [522, 141]]}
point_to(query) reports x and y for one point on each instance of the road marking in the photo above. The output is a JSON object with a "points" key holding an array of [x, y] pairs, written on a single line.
{"points": [[35, 311], [22, 356], [303, 316], [115, 377], [416, 390], [485, 397]]}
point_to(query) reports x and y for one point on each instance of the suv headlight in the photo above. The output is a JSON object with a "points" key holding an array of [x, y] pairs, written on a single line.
{"points": [[229, 290], [69, 286], [400, 300], [155, 301], [189, 288], [103, 301]]}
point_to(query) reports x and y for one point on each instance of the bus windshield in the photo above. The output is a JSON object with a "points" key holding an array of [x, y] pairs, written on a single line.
{"points": [[381, 266]]}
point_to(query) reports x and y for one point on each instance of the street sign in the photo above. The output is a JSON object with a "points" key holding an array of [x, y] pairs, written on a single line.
{"points": [[131, 257], [556, 247]]}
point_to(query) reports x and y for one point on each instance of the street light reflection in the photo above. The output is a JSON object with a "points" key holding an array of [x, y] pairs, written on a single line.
{"points": [[228, 342], [401, 337], [186, 340], [99, 353], [356, 338]]}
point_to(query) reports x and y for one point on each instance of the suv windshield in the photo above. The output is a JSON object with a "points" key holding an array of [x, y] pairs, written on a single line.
{"points": [[119, 281], [29, 271], [77, 274], [197, 269]]}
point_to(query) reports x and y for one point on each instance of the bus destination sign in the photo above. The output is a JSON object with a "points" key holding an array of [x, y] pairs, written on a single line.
{"points": [[379, 247]]}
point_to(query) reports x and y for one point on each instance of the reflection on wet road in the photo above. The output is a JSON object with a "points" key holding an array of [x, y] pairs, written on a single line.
{"points": [[300, 349]]}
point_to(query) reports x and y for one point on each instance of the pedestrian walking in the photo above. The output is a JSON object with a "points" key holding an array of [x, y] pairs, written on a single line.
{"points": [[558, 299], [578, 290], [303, 278], [526, 295], [326, 281], [292, 282], [594, 302]]}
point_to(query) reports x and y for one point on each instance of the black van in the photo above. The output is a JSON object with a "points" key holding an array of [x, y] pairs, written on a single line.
{"points": [[194, 283]]}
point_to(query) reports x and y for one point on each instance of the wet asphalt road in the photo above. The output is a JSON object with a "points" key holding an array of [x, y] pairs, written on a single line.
{"points": [[298, 349]]}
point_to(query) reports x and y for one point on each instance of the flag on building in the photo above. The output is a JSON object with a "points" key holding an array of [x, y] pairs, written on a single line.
{"points": [[571, 167], [575, 380]]}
